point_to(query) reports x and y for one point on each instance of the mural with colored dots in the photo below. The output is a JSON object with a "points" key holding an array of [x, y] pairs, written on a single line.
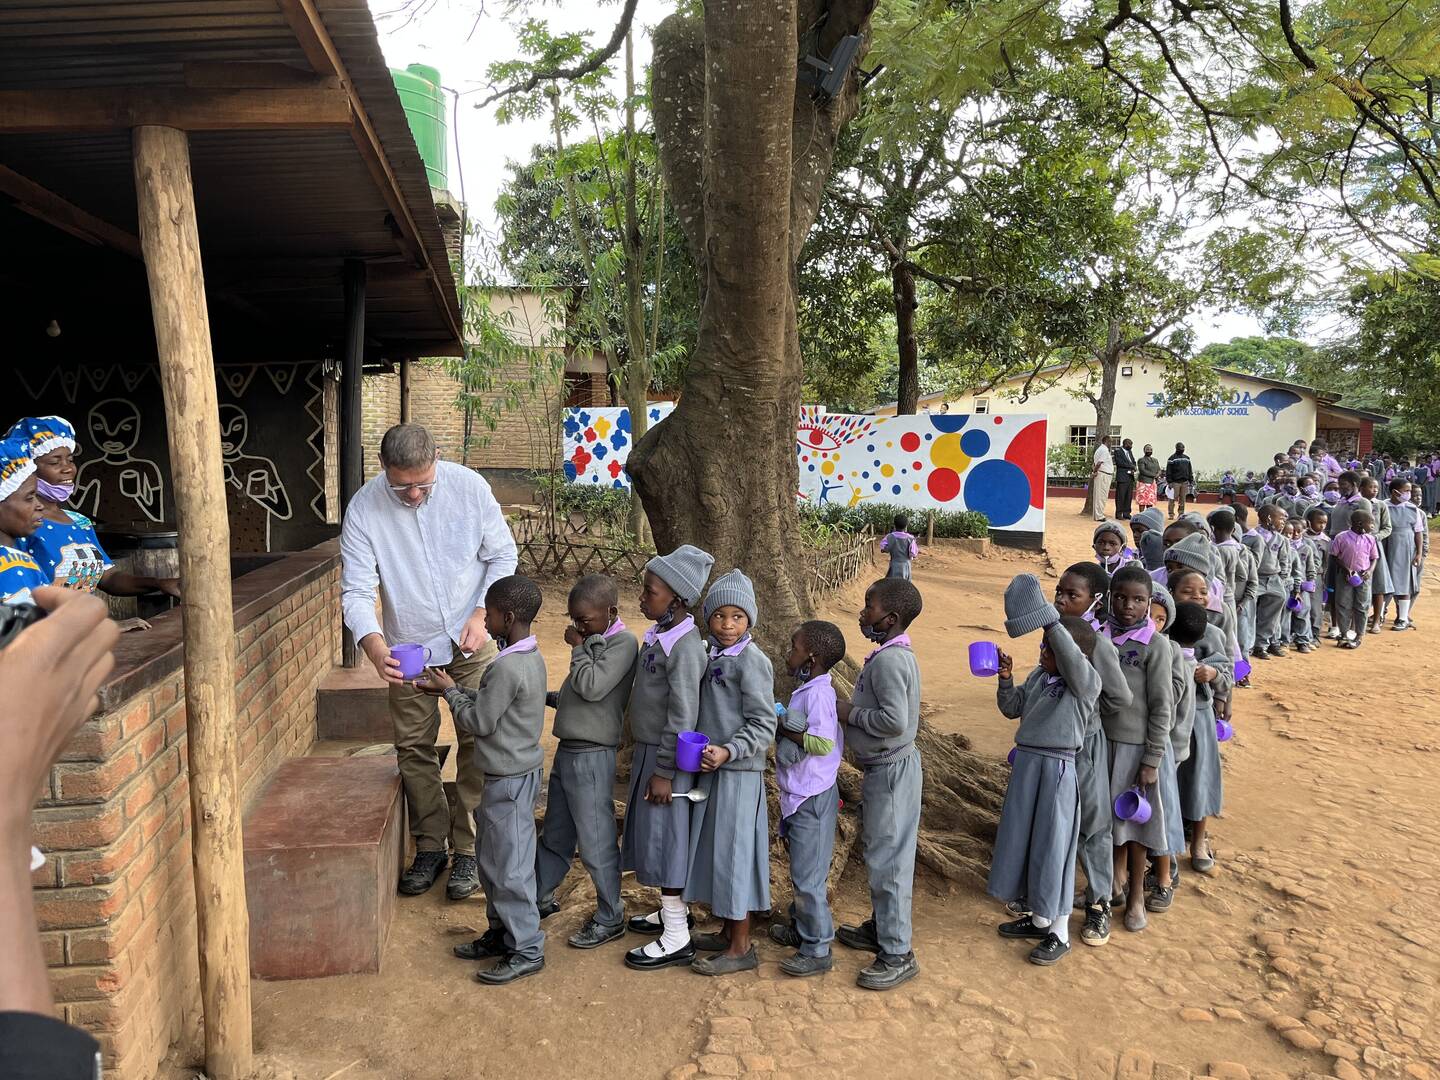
{"points": [[993, 464]]}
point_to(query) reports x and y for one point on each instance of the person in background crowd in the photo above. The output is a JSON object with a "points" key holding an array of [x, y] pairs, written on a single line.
{"points": [[1101, 474], [1179, 476], [1147, 475], [1124, 479]]}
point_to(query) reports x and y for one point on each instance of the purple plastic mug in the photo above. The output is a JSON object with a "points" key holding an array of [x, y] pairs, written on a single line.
{"points": [[688, 748], [1131, 805], [984, 659], [1010, 757], [412, 658], [1242, 669], [1357, 579], [1224, 730], [1295, 604], [1307, 586]]}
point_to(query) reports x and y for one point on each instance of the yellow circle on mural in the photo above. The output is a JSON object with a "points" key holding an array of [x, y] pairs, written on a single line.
{"points": [[916, 486], [945, 453], [887, 470], [828, 468]]}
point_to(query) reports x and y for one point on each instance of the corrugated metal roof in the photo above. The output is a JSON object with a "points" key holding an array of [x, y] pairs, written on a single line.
{"points": [[278, 210]]}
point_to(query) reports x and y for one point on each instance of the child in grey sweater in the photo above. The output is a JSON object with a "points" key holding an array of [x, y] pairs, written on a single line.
{"points": [[730, 830], [589, 712], [881, 720], [1039, 831], [1139, 733], [664, 701], [506, 714]]}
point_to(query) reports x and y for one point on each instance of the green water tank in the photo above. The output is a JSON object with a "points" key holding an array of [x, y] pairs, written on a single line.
{"points": [[424, 102]]}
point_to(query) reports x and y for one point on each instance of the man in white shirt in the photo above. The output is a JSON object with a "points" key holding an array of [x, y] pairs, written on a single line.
{"points": [[429, 537], [1100, 477]]}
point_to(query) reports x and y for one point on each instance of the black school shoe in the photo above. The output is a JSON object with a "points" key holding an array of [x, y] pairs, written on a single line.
{"points": [[592, 935], [864, 937], [643, 924], [1160, 900], [423, 872], [546, 908], [637, 959], [1050, 951], [464, 878], [1278, 651], [510, 969], [887, 972], [1022, 928], [488, 945], [1097, 925]]}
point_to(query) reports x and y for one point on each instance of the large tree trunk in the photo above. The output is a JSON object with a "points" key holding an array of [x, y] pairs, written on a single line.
{"points": [[902, 280], [745, 158], [1104, 401]]}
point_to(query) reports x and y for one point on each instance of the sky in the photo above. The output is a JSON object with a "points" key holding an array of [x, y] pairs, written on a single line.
{"points": [[462, 38]]}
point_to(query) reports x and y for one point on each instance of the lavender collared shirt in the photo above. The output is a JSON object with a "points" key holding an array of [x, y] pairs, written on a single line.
{"points": [[668, 638], [617, 627], [1141, 632], [528, 644], [733, 650], [812, 774]]}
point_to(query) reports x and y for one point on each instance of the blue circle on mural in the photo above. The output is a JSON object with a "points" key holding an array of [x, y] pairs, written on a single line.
{"points": [[999, 490], [948, 422], [929, 435], [865, 475], [869, 449], [812, 468], [570, 470], [896, 489], [975, 443], [875, 486]]}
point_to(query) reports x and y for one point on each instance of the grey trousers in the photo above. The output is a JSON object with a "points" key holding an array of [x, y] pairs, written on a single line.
{"points": [[580, 813], [810, 836], [1246, 622], [1268, 609], [505, 854], [1300, 620], [1097, 845], [1352, 605], [890, 824]]}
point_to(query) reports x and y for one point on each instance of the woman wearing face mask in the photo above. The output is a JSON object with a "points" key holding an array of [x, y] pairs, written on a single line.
{"points": [[19, 517], [65, 546]]}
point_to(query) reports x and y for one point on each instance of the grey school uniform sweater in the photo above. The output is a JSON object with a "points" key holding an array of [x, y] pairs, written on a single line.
{"points": [[1310, 560], [737, 707], [1114, 690], [1147, 719], [591, 708], [505, 713], [885, 708], [1212, 649], [1238, 571], [1052, 709], [665, 698], [1182, 682]]}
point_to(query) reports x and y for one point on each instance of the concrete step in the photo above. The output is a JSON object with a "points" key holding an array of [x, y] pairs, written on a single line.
{"points": [[353, 703]]}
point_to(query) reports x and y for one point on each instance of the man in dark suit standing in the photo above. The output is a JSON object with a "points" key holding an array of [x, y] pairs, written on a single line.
{"points": [[1124, 478]]}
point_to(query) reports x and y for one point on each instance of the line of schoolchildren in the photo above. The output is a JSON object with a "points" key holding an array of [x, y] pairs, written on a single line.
{"points": [[1139, 655], [700, 836]]}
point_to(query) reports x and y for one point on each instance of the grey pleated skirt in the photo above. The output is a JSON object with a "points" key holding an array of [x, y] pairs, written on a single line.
{"points": [[1039, 832], [1124, 764], [1201, 786], [730, 845], [656, 840], [1092, 773], [1380, 580], [1170, 800]]}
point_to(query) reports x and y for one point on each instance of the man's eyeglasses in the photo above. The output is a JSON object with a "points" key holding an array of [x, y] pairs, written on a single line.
{"points": [[401, 489]]}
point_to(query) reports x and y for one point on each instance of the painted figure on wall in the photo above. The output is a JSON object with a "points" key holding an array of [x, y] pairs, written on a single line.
{"points": [[114, 486], [253, 488]]}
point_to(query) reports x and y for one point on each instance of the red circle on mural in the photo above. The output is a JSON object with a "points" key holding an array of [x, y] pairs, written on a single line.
{"points": [[998, 420], [944, 485], [815, 438], [917, 465], [910, 442]]}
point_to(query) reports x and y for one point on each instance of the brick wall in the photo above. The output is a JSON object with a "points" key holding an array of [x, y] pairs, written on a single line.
{"points": [[521, 433], [115, 899]]}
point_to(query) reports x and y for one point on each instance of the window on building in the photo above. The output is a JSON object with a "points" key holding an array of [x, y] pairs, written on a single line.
{"points": [[1083, 436], [982, 406]]}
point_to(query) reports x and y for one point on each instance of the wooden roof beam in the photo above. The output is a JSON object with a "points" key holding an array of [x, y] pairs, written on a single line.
{"points": [[319, 49], [42, 203], [48, 112]]}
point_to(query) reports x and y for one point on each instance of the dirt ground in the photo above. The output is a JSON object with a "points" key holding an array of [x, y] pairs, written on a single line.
{"points": [[1311, 952]]}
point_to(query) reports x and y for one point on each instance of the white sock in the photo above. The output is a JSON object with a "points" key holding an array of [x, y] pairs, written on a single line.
{"points": [[1061, 929], [1040, 921], [1402, 608], [676, 935]]}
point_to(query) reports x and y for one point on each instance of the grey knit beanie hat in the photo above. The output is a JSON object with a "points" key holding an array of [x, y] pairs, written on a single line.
{"points": [[1198, 521], [1026, 609], [685, 570], [1150, 518], [1193, 551], [734, 589], [1110, 527], [1161, 595]]}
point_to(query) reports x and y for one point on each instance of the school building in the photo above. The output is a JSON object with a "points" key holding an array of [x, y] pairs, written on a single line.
{"points": [[1256, 418]]}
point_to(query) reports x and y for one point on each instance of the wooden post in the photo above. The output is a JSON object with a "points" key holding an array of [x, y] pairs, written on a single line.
{"points": [[171, 247], [405, 391], [352, 374], [930, 529]]}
